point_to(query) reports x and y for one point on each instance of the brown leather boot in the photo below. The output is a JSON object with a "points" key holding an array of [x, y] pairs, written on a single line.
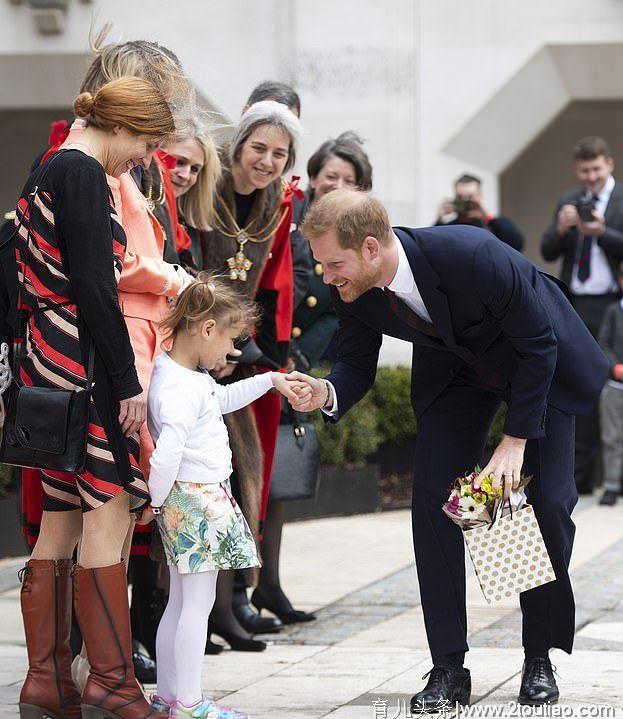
{"points": [[101, 603], [49, 690]]}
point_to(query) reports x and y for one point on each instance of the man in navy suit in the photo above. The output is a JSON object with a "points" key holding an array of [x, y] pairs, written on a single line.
{"points": [[486, 327]]}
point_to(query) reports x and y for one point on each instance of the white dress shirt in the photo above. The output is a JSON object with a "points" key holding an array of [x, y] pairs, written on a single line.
{"points": [[405, 288], [600, 280], [185, 419]]}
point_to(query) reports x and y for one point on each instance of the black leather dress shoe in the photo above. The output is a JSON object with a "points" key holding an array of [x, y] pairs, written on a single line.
{"points": [[445, 687], [538, 685], [253, 623]]}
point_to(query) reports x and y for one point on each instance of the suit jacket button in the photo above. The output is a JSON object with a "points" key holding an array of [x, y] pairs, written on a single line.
{"points": [[318, 268], [311, 301], [296, 332]]}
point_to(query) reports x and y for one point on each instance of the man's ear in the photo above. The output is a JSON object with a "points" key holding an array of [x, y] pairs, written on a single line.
{"points": [[372, 247]]}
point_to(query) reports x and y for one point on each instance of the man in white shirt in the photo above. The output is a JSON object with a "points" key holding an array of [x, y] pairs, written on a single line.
{"points": [[587, 233], [486, 327]]}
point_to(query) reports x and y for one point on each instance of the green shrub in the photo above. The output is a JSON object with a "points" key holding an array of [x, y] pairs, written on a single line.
{"points": [[351, 440], [392, 395]]}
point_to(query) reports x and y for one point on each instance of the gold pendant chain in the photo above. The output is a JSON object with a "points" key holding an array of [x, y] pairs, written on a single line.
{"points": [[239, 265]]}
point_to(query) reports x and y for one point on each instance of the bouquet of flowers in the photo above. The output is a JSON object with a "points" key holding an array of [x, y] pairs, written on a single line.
{"points": [[470, 506]]}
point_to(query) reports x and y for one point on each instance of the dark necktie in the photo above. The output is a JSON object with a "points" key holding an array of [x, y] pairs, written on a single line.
{"points": [[584, 262], [407, 315]]}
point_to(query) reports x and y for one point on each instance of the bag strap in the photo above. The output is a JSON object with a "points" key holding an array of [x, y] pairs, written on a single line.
{"points": [[19, 353]]}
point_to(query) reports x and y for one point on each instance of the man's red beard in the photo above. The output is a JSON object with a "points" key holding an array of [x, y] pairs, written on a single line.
{"points": [[354, 288]]}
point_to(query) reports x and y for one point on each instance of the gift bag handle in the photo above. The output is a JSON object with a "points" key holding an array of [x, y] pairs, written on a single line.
{"points": [[498, 511]]}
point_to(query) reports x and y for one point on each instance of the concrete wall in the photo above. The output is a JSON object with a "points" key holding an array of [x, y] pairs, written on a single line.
{"points": [[436, 87]]}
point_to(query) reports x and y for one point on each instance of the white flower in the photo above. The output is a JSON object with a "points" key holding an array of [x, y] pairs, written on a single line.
{"points": [[470, 508]]}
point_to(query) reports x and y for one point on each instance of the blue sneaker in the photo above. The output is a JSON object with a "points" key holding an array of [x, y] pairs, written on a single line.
{"points": [[205, 709]]}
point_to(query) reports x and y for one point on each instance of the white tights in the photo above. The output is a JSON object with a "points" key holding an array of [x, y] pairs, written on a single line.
{"points": [[182, 633]]}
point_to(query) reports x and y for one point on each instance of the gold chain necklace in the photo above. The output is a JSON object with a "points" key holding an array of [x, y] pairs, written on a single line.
{"points": [[151, 202], [239, 265]]}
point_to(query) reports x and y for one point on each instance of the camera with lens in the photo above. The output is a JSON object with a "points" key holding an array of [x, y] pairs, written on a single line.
{"points": [[463, 205], [585, 210]]}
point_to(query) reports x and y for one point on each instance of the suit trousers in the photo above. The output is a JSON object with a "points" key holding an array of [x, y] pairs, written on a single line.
{"points": [[591, 309], [450, 442]]}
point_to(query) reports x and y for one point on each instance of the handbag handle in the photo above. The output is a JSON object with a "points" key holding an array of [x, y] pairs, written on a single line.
{"points": [[19, 352], [298, 428]]}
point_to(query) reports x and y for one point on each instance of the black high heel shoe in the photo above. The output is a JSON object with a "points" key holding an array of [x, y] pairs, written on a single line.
{"points": [[212, 648], [237, 644], [287, 616]]}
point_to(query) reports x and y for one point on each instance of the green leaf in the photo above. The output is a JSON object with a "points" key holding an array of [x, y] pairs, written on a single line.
{"points": [[194, 561]]}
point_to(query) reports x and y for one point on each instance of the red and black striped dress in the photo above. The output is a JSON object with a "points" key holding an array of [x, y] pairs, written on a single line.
{"points": [[75, 257]]}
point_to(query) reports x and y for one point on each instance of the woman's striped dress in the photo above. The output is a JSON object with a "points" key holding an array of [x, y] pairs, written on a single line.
{"points": [[74, 257]]}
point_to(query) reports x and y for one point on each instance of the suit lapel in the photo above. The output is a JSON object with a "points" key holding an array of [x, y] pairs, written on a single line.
{"points": [[434, 297]]}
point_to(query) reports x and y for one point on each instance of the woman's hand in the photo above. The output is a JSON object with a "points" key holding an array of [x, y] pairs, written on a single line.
{"points": [[132, 414]]}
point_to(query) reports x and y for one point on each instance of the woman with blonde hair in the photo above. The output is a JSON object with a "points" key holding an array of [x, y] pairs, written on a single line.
{"points": [[194, 177], [70, 253]]}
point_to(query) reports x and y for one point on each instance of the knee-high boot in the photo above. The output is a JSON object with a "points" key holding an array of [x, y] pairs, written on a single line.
{"points": [[101, 603], [46, 608]]}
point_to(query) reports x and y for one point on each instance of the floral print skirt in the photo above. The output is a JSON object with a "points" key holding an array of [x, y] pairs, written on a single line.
{"points": [[203, 529]]}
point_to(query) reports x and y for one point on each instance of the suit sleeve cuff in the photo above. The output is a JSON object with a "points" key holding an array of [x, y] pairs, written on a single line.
{"points": [[333, 410]]}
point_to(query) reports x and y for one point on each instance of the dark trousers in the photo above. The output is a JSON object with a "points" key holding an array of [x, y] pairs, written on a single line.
{"points": [[591, 309], [450, 441]]}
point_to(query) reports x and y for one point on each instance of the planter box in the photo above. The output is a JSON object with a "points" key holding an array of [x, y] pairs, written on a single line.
{"points": [[341, 492]]}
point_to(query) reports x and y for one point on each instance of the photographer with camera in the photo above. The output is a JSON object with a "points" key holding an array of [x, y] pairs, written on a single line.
{"points": [[466, 208], [587, 232]]}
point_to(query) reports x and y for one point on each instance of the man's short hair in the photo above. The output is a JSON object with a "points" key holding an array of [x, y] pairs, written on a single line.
{"points": [[465, 178], [278, 91], [352, 214], [590, 148]]}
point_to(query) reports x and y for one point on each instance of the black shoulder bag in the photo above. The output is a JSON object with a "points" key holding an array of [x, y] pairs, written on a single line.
{"points": [[296, 468], [44, 427]]}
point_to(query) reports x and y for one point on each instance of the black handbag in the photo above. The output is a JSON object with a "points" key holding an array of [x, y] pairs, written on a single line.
{"points": [[296, 467], [44, 427]]}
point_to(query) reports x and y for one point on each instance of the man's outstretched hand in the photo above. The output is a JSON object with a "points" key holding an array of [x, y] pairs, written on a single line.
{"points": [[309, 402], [505, 464]]}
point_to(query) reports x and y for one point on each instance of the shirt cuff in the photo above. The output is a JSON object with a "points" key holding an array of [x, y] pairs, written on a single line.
{"points": [[332, 412]]}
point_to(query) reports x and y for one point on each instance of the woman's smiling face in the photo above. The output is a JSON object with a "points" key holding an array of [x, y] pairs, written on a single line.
{"points": [[263, 156], [190, 161]]}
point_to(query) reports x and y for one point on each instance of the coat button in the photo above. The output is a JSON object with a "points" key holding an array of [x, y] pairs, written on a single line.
{"points": [[296, 332], [311, 301], [318, 268]]}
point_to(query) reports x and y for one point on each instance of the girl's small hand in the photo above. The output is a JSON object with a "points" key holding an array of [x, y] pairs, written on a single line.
{"points": [[292, 390]]}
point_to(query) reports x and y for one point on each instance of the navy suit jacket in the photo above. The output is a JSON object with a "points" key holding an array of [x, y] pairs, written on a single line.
{"points": [[489, 305]]}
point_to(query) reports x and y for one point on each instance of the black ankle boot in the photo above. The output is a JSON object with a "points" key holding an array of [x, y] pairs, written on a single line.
{"points": [[538, 685], [445, 687]]}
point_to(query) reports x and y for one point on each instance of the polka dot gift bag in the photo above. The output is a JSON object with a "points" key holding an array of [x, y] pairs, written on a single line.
{"points": [[509, 555], [503, 539]]}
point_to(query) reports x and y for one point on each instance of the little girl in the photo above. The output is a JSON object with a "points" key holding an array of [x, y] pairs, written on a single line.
{"points": [[200, 523]]}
